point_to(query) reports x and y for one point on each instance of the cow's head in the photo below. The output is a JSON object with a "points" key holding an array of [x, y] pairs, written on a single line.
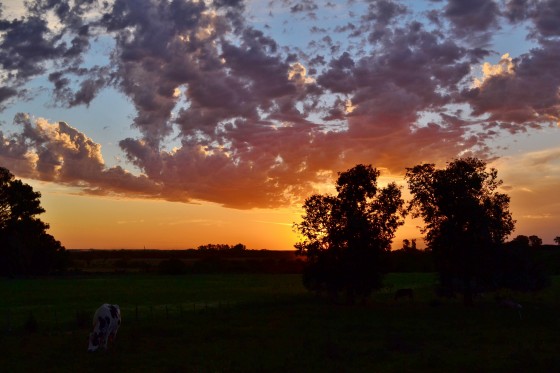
{"points": [[94, 339]]}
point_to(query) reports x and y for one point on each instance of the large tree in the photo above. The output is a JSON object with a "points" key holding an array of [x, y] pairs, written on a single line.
{"points": [[466, 220], [25, 246], [345, 237]]}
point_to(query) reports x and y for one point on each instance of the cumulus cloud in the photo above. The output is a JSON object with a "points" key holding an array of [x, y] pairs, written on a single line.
{"points": [[256, 122], [60, 153], [520, 94], [472, 17]]}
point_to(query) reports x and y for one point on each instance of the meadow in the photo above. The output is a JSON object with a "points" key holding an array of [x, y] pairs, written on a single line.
{"points": [[269, 323]]}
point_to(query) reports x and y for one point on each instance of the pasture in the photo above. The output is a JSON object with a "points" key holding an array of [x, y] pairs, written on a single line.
{"points": [[269, 323]]}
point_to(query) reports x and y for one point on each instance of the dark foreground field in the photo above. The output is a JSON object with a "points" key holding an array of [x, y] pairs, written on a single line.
{"points": [[268, 323]]}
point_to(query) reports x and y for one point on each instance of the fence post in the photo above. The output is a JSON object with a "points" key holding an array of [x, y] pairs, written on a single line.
{"points": [[166, 312], [136, 312]]}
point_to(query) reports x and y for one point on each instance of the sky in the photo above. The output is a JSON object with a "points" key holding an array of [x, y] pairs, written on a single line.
{"points": [[171, 124]]}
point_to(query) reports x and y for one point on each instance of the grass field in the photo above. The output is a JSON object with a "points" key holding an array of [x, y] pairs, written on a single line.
{"points": [[269, 323]]}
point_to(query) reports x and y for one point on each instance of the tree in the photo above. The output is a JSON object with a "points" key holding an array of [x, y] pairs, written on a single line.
{"points": [[517, 266], [345, 237], [409, 245], [466, 220], [25, 247], [557, 240], [535, 242], [521, 241]]}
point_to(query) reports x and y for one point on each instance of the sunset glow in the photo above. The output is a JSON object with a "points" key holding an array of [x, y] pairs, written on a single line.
{"points": [[172, 124]]}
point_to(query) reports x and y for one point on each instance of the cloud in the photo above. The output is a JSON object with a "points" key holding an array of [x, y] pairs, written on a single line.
{"points": [[256, 122], [543, 14], [520, 93], [59, 153], [471, 18], [503, 68]]}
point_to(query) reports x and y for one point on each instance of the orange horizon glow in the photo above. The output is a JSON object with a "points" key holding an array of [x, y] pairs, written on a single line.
{"points": [[85, 222]]}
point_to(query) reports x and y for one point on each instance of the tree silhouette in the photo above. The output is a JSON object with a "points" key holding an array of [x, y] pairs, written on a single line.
{"points": [[25, 247], [345, 237], [535, 241], [521, 240], [557, 240], [466, 220], [517, 268]]}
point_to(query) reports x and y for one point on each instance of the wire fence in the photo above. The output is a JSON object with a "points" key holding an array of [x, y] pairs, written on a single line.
{"points": [[55, 319]]}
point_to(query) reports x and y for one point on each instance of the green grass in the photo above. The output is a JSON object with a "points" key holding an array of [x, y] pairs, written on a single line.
{"points": [[269, 323]]}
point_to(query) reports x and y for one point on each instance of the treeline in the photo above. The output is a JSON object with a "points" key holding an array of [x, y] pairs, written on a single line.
{"points": [[222, 259], [406, 259], [93, 254], [411, 260]]}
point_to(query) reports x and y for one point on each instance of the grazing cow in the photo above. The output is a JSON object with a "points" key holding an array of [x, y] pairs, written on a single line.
{"points": [[402, 293], [106, 322]]}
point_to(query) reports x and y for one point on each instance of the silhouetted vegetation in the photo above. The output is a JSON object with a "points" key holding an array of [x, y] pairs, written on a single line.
{"points": [[535, 241], [185, 261], [467, 221], [346, 237], [410, 259], [172, 266], [239, 248], [25, 246], [517, 267]]}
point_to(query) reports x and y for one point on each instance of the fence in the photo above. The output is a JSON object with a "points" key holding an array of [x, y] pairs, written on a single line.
{"points": [[51, 319]]}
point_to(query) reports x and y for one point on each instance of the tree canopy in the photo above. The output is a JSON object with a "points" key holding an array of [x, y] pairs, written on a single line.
{"points": [[345, 237], [25, 246], [466, 220]]}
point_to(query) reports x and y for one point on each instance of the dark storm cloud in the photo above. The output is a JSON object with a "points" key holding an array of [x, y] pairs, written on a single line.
{"points": [[255, 122]]}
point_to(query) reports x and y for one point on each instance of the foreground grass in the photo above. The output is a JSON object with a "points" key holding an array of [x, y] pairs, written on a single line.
{"points": [[269, 323]]}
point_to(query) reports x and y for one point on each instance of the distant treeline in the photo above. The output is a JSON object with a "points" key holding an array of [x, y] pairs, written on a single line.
{"points": [[412, 260], [200, 253], [205, 259], [218, 259]]}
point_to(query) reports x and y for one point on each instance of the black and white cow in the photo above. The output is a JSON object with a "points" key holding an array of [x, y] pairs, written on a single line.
{"points": [[106, 322]]}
